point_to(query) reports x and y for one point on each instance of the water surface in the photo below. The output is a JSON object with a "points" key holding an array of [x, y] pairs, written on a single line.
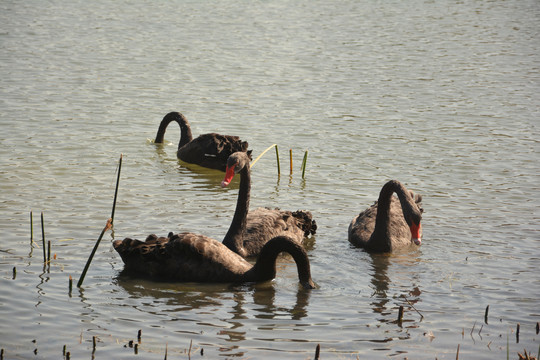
{"points": [[442, 96]]}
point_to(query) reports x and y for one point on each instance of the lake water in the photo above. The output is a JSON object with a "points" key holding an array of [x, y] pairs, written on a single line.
{"points": [[441, 95]]}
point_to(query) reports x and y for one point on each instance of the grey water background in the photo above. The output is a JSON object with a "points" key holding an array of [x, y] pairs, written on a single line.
{"points": [[441, 95]]}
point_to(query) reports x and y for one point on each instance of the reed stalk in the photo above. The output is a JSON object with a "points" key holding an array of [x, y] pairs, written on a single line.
{"points": [[70, 284], [31, 229], [43, 238], [107, 227], [49, 252], [400, 314], [290, 158], [277, 157], [304, 164], [486, 315]]}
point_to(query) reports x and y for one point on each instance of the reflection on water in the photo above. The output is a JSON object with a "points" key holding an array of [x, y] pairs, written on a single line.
{"points": [[186, 297], [387, 305], [220, 308], [265, 296]]}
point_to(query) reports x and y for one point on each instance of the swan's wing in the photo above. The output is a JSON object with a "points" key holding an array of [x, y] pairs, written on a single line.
{"points": [[182, 257], [264, 224], [362, 226]]}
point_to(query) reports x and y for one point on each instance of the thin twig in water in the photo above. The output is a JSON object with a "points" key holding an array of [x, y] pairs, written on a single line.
{"points": [[107, 227], [474, 325], [43, 239], [419, 313]]}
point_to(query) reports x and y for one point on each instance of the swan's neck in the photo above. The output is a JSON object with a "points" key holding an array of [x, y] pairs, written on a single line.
{"points": [[234, 239], [265, 267], [162, 128], [381, 231], [185, 132], [185, 129]]}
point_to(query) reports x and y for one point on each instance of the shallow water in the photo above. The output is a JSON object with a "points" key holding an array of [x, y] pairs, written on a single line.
{"points": [[442, 96]]}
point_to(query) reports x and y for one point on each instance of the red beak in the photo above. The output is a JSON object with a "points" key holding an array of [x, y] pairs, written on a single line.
{"points": [[416, 233], [229, 174]]}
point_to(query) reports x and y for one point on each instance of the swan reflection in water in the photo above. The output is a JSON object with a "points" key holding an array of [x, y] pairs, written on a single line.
{"points": [[222, 306], [387, 305]]}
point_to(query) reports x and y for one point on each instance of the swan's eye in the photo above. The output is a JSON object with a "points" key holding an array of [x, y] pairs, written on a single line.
{"points": [[237, 168]]}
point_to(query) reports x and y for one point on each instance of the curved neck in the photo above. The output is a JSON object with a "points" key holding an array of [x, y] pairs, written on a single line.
{"points": [[383, 209], [265, 267], [234, 239], [185, 130]]}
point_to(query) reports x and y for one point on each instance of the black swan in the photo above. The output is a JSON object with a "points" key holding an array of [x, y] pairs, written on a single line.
{"points": [[389, 224], [197, 258], [208, 150], [250, 230]]}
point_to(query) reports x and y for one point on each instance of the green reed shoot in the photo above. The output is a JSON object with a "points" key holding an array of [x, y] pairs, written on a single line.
{"points": [[277, 159], [304, 164]]}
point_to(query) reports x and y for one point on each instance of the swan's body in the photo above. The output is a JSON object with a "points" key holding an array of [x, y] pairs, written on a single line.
{"points": [[249, 231], [208, 150], [197, 258], [389, 223]]}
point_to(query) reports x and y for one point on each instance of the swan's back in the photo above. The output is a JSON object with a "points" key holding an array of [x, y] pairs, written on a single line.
{"points": [[181, 257], [211, 150], [362, 226], [264, 224]]}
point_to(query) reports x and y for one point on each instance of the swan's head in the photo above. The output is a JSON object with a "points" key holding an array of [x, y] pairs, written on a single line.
{"points": [[413, 219], [235, 163], [416, 233]]}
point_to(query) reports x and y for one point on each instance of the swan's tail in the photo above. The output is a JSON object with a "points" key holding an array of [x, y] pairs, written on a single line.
{"points": [[306, 222]]}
